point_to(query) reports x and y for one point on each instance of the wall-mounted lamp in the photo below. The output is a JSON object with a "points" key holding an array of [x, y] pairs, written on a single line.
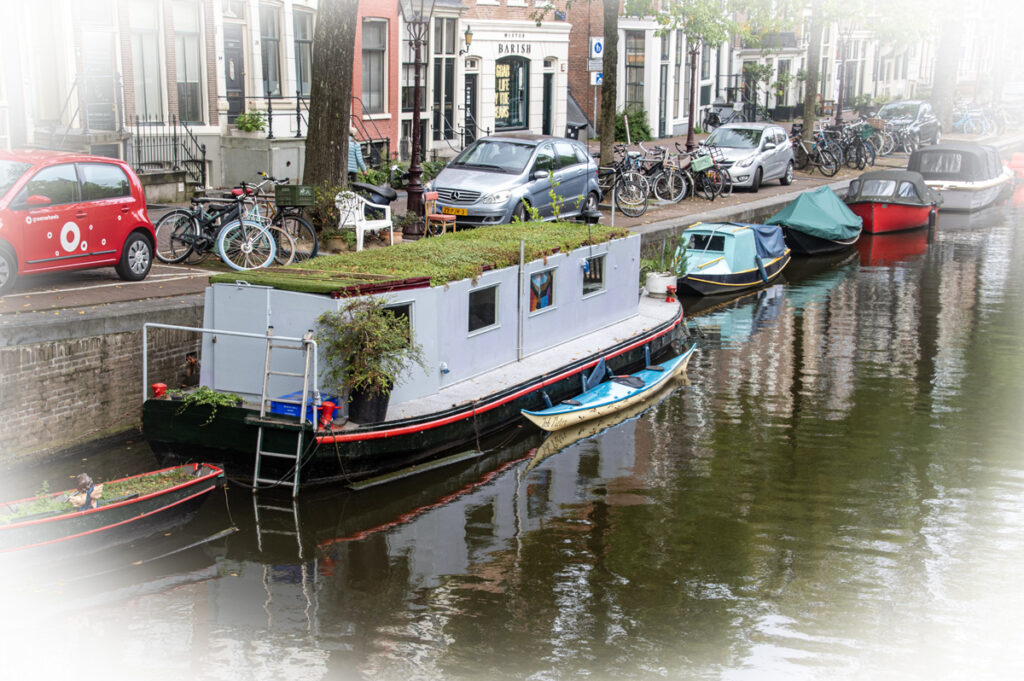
{"points": [[469, 40]]}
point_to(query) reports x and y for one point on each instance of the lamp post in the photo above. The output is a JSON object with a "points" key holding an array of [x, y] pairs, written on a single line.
{"points": [[469, 41], [416, 14], [844, 37], [691, 141]]}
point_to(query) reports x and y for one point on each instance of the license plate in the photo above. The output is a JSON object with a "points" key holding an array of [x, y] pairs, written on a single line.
{"points": [[453, 211]]}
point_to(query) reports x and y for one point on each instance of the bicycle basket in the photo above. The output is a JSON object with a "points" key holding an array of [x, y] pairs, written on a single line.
{"points": [[701, 163], [294, 195], [877, 123], [866, 131]]}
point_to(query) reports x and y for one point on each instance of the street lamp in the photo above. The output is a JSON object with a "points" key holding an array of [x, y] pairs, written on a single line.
{"points": [[845, 29], [416, 14], [691, 141], [469, 41]]}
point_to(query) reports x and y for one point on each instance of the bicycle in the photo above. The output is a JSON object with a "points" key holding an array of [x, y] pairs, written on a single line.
{"points": [[240, 242], [287, 217], [628, 188], [816, 155], [706, 178], [666, 182]]}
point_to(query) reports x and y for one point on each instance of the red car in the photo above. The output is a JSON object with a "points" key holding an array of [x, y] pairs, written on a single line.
{"points": [[61, 211]]}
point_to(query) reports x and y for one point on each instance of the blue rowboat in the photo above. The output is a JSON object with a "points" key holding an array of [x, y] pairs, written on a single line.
{"points": [[605, 397]]}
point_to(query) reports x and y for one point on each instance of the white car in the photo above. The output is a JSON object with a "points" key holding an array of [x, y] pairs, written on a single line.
{"points": [[754, 153]]}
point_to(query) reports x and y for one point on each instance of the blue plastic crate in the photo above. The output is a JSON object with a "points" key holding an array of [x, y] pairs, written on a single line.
{"points": [[292, 410]]}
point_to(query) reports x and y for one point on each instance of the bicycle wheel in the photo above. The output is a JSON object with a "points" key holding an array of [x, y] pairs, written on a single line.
{"points": [[827, 163], [284, 244], [670, 186], [855, 156], [630, 196], [800, 158], [246, 245], [911, 142], [175, 234], [702, 186], [716, 176], [298, 228], [869, 153]]}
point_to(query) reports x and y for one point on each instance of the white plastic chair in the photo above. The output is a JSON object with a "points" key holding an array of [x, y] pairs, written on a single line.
{"points": [[352, 214]]}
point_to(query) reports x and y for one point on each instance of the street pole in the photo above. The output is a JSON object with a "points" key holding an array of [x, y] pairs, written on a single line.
{"points": [[414, 188], [842, 73], [691, 141]]}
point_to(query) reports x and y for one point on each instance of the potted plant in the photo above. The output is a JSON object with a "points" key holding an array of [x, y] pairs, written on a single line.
{"points": [[337, 240], [252, 122], [663, 271], [365, 346]]}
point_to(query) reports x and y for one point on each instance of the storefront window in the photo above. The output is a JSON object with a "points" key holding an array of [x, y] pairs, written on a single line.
{"points": [[511, 93]]}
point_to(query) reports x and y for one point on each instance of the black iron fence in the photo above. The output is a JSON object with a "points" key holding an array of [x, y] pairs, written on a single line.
{"points": [[285, 109], [163, 146]]}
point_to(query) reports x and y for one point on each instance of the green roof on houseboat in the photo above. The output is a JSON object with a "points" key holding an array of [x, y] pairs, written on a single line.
{"points": [[439, 260]]}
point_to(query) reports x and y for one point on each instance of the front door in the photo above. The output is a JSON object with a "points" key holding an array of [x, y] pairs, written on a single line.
{"points": [[99, 90], [471, 109], [234, 71]]}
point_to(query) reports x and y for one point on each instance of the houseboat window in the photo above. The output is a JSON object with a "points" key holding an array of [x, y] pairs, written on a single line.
{"points": [[483, 308], [879, 188], [707, 242], [542, 290], [908, 190], [593, 275], [854, 187], [403, 311]]}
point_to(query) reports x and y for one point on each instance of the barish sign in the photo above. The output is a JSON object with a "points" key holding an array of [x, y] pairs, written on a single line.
{"points": [[513, 48]]}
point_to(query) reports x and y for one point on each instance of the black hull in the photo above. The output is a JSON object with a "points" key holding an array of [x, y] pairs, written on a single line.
{"points": [[806, 244], [372, 450], [713, 285], [86, 532]]}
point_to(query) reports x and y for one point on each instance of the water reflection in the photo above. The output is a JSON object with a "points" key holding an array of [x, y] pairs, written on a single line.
{"points": [[836, 492]]}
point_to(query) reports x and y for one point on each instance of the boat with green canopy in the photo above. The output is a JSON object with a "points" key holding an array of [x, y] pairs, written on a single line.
{"points": [[818, 222]]}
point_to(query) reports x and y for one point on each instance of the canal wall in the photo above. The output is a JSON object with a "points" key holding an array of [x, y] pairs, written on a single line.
{"points": [[69, 377]]}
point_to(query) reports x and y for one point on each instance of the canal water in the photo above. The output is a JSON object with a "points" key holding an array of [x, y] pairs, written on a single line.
{"points": [[835, 491]]}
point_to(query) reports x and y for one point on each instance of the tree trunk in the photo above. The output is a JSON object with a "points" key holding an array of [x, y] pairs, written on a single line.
{"points": [[947, 55], [330, 97], [813, 71], [609, 81]]}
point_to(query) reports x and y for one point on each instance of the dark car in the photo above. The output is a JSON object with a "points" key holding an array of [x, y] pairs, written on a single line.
{"points": [[509, 176], [916, 114], [62, 211]]}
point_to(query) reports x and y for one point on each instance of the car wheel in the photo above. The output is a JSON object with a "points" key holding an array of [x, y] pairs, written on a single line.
{"points": [[136, 258], [8, 269], [755, 184], [938, 136], [519, 213], [591, 203], [787, 177]]}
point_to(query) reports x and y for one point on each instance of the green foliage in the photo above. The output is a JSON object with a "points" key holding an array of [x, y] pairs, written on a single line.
{"points": [[450, 257], [861, 103], [365, 346], [667, 256], [251, 121], [323, 213], [204, 396], [399, 223], [375, 176], [639, 127]]}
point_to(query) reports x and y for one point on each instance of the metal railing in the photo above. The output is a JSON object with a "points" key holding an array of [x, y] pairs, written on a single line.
{"points": [[161, 146], [285, 109], [374, 141]]}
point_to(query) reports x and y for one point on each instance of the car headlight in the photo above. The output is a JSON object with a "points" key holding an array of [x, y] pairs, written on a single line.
{"points": [[746, 162], [498, 197]]}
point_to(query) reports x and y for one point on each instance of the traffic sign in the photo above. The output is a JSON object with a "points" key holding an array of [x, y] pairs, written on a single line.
{"points": [[594, 65], [596, 78], [596, 48]]}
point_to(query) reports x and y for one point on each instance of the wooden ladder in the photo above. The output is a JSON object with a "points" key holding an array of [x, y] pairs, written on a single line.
{"points": [[306, 347]]}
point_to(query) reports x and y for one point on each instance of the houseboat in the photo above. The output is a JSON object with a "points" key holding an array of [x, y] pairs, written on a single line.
{"points": [[817, 222], [506, 318], [726, 257], [893, 200], [967, 176]]}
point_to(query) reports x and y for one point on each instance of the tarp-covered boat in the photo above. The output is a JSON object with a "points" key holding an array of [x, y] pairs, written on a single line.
{"points": [[603, 397], [725, 257], [968, 176], [817, 222], [893, 200]]}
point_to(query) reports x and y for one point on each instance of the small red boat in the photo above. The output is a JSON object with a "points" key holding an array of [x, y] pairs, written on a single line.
{"points": [[892, 201], [127, 509]]}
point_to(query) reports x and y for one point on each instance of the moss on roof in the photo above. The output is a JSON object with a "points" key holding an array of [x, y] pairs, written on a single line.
{"points": [[454, 256]]}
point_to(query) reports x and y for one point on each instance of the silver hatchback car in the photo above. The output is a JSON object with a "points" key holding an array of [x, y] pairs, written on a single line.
{"points": [[754, 153], [489, 181]]}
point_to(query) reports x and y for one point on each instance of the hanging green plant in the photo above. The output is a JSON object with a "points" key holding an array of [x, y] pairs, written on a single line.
{"points": [[204, 396]]}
